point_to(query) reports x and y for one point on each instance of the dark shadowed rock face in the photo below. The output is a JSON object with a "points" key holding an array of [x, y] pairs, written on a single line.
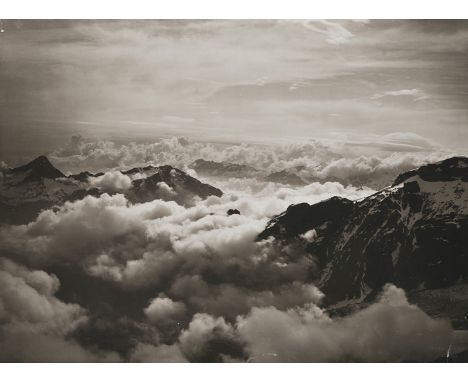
{"points": [[413, 234], [232, 211], [300, 218], [39, 168]]}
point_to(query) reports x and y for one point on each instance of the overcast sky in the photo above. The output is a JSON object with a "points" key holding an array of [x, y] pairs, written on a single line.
{"points": [[231, 81]]}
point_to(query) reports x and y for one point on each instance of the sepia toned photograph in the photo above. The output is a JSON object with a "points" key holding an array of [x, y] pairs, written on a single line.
{"points": [[233, 191]]}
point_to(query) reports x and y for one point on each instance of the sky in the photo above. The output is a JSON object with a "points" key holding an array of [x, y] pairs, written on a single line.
{"points": [[268, 81]]}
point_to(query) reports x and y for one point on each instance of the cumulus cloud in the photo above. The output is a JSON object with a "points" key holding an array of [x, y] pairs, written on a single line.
{"points": [[28, 303], [112, 181], [34, 324], [163, 311], [210, 339], [391, 330]]}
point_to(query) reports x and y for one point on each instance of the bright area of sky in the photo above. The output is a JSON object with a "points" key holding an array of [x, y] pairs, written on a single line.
{"points": [[233, 81]]}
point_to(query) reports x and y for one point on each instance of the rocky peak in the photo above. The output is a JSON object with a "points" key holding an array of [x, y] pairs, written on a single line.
{"points": [[137, 170], [39, 168], [178, 181], [299, 218], [455, 168]]}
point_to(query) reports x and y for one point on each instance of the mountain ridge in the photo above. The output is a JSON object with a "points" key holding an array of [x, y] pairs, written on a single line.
{"points": [[412, 234], [28, 189]]}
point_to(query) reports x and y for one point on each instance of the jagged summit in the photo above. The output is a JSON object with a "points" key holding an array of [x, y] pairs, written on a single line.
{"points": [[137, 170], [446, 170], [168, 181]]}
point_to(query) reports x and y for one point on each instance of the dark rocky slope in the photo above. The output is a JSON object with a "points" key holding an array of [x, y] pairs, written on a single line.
{"points": [[413, 234]]}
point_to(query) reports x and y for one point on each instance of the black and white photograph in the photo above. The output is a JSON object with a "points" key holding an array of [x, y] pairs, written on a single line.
{"points": [[233, 190]]}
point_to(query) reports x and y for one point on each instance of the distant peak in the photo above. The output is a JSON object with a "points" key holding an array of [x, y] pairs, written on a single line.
{"points": [[40, 160], [40, 167]]}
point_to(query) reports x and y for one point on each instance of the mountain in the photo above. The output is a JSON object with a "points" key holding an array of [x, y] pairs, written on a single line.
{"points": [[288, 176], [169, 183], [412, 233], [27, 190], [37, 169], [211, 168]]}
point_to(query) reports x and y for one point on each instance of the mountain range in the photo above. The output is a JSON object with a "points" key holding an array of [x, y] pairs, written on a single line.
{"points": [[38, 185], [295, 176]]}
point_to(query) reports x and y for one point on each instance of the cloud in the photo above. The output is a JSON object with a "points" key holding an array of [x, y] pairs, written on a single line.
{"points": [[34, 324], [112, 181], [399, 141], [335, 33], [310, 236], [391, 330], [28, 304], [163, 311], [416, 94], [166, 73], [210, 339], [310, 160], [32, 347]]}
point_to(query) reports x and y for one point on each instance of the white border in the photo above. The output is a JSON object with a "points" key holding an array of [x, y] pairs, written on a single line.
{"points": [[233, 372], [233, 9]]}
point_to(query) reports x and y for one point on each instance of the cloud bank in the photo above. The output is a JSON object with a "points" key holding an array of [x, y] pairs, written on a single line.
{"points": [[192, 284], [371, 160]]}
